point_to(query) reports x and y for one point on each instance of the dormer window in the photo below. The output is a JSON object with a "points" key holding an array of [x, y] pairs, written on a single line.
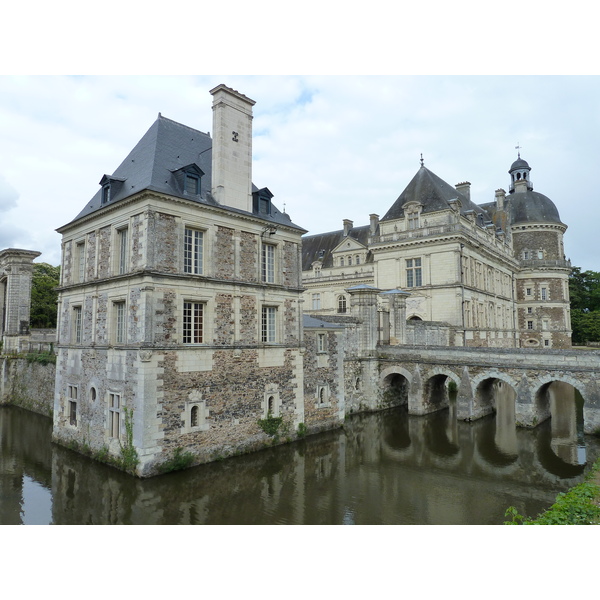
{"points": [[262, 201], [111, 187], [188, 179]]}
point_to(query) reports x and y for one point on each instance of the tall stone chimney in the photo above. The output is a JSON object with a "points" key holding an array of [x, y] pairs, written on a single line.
{"points": [[232, 148], [347, 226], [373, 222], [464, 188]]}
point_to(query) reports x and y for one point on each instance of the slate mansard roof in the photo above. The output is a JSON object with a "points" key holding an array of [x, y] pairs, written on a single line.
{"points": [[154, 163], [321, 245]]}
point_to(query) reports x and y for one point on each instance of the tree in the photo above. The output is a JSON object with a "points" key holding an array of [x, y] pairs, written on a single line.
{"points": [[584, 290], [44, 295]]}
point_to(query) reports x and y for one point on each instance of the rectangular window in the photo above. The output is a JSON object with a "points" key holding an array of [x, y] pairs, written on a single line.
{"points": [[123, 251], [321, 339], [529, 310], [546, 342], [413, 272], [529, 324], [544, 293], [114, 415], [192, 184], [77, 324], [120, 330], [413, 220], [80, 262], [268, 263], [72, 393], [193, 254], [193, 322], [528, 292], [268, 324], [316, 301]]}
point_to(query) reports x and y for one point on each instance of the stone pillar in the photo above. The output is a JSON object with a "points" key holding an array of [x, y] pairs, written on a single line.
{"points": [[232, 148], [16, 270], [363, 304], [397, 305]]}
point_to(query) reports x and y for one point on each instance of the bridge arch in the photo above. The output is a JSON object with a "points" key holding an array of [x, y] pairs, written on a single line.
{"points": [[395, 383], [489, 391]]}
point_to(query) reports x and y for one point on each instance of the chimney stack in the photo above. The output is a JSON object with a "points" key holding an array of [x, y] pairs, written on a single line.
{"points": [[464, 188], [347, 226], [373, 223], [232, 148]]}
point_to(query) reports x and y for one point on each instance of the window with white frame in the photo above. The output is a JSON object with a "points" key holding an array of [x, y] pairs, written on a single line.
{"points": [[544, 293], [77, 324], [114, 415], [72, 395], [119, 317], [268, 263], [413, 272], [528, 291], [193, 251], [342, 307], [80, 262], [413, 220], [123, 245], [341, 261], [193, 323], [529, 324], [321, 342], [268, 324], [357, 259], [316, 301]]}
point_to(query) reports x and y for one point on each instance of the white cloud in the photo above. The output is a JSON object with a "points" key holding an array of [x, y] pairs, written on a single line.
{"points": [[328, 147]]}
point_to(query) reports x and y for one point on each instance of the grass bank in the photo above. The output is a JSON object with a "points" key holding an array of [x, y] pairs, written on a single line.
{"points": [[579, 506]]}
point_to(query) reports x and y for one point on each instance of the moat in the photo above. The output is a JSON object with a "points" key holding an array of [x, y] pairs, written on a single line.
{"points": [[383, 468]]}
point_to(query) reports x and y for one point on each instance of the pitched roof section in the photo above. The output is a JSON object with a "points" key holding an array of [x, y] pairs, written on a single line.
{"points": [[155, 164], [322, 245], [433, 193]]}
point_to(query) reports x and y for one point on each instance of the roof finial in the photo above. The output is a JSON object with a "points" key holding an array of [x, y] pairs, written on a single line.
{"points": [[422, 161], [518, 148]]}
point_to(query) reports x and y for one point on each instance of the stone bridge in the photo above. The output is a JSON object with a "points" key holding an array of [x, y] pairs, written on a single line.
{"points": [[418, 376]]}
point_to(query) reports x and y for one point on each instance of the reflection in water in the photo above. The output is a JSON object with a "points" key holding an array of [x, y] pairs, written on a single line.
{"points": [[384, 468]]}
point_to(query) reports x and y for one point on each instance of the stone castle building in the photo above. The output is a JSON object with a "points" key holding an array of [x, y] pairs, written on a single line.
{"points": [[180, 319], [490, 275], [191, 308]]}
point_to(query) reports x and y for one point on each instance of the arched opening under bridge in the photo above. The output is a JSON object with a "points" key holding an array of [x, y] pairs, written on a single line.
{"points": [[395, 390], [563, 404]]}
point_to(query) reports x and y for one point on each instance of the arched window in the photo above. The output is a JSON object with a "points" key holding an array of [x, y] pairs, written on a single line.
{"points": [[271, 405], [341, 261], [194, 416], [322, 395], [93, 394], [341, 304], [357, 260], [349, 261]]}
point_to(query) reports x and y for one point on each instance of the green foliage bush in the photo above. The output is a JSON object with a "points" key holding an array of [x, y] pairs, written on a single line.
{"points": [[578, 506], [181, 460], [44, 295]]}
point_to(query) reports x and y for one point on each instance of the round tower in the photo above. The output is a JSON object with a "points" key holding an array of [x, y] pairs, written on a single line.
{"points": [[542, 282]]}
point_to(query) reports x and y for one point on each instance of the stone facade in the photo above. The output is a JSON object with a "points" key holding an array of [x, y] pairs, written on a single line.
{"points": [[467, 267], [180, 324]]}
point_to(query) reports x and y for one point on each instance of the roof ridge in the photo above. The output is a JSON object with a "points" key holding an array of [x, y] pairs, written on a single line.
{"points": [[163, 118]]}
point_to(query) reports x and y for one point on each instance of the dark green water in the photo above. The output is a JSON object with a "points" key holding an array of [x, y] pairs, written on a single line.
{"points": [[385, 468]]}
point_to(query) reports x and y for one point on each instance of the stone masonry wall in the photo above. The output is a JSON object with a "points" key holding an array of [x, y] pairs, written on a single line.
{"points": [[29, 385]]}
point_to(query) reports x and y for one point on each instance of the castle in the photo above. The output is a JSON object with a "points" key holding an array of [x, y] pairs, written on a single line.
{"points": [[489, 275], [191, 308]]}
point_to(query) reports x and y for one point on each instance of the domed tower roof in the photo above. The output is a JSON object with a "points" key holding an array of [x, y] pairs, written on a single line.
{"points": [[525, 205], [519, 171]]}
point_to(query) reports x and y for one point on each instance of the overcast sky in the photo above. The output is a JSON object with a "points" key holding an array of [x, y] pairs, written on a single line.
{"points": [[328, 147]]}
